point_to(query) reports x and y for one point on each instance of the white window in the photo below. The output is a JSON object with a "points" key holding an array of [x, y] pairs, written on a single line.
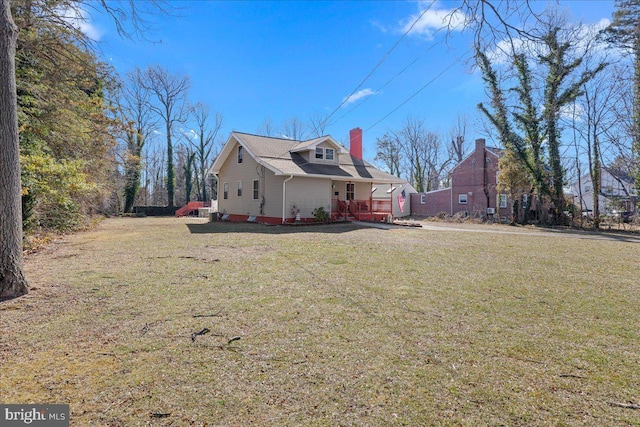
{"points": [[240, 153], [502, 201], [319, 153], [328, 154], [239, 188], [423, 199], [462, 199], [225, 190], [256, 189]]}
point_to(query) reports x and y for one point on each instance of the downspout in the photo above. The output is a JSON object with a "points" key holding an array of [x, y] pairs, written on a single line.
{"points": [[217, 193], [284, 197], [391, 197], [451, 196], [485, 180], [371, 198]]}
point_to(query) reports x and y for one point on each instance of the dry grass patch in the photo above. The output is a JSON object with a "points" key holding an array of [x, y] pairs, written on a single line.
{"points": [[338, 325]]}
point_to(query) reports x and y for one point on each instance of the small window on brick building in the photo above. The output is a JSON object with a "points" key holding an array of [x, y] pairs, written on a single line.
{"points": [[423, 199], [462, 199], [502, 201]]}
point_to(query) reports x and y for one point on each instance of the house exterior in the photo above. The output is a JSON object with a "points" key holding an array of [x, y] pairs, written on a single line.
{"points": [[275, 180], [617, 193], [472, 190]]}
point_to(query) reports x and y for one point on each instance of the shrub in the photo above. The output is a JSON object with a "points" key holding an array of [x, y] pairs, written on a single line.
{"points": [[320, 215]]}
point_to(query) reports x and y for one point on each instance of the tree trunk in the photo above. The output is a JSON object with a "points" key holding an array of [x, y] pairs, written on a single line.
{"points": [[170, 171], [12, 280], [635, 148]]}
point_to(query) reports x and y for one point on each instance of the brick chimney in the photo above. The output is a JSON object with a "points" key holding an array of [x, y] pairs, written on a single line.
{"points": [[355, 143], [480, 145]]}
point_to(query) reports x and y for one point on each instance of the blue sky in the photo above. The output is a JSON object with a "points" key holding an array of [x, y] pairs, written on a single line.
{"points": [[253, 60]]}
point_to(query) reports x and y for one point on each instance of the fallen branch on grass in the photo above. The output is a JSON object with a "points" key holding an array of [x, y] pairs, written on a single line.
{"points": [[569, 376], [209, 315], [160, 414], [624, 405], [203, 331]]}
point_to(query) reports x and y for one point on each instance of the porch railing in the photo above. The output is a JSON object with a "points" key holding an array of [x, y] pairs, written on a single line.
{"points": [[370, 210]]}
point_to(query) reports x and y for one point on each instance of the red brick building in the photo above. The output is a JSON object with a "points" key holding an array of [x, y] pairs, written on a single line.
{"points": [[472, 190]]}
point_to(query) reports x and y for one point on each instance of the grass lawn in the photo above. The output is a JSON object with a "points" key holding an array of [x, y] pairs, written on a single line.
{"points": [[326, 326]]}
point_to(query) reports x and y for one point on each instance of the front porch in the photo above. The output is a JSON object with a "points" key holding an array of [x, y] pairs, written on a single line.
{"points": [[372, 210], [362, 201]]}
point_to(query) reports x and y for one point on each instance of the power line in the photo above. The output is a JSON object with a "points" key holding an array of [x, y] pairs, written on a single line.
{"points": [[379, 63], [385, 84], [412, 96]]}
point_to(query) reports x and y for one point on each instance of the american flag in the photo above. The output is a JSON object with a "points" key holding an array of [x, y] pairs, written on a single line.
{"points": [[401, 198]]}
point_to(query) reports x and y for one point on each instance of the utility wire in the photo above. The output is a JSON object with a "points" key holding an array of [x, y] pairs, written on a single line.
{"points": [[412, 96], [379, 63], [384, 85]]}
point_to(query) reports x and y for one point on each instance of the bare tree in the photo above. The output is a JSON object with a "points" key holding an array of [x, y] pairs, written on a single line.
{"points": [[625, 32], [621, 137], [170, 91], [203, 147], [155, 188], [494, 22], [458, 133], [266, 128], [318, 125], [139, 124], [597, 119], [294, 128], [389, 152], [438, 159], [414, 143]]}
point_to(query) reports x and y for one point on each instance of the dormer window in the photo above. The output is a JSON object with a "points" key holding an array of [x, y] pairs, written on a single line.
{"points": [[328, 154], [325, 153], [240, 153]]}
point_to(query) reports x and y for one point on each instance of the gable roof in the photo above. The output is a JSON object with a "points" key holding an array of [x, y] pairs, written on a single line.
{"points": [[282, 157]]}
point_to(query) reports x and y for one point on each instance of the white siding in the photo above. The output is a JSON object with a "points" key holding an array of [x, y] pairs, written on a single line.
{"points": [[308, 194]]}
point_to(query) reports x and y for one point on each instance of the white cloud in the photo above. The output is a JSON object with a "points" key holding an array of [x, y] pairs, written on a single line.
{"points": [[80, 19], [502, 53], [359, 95], [430, 19], [379, 26]]}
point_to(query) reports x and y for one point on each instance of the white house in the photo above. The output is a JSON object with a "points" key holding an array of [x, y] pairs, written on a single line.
{"points": [[616, 193], [276, 180]]}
